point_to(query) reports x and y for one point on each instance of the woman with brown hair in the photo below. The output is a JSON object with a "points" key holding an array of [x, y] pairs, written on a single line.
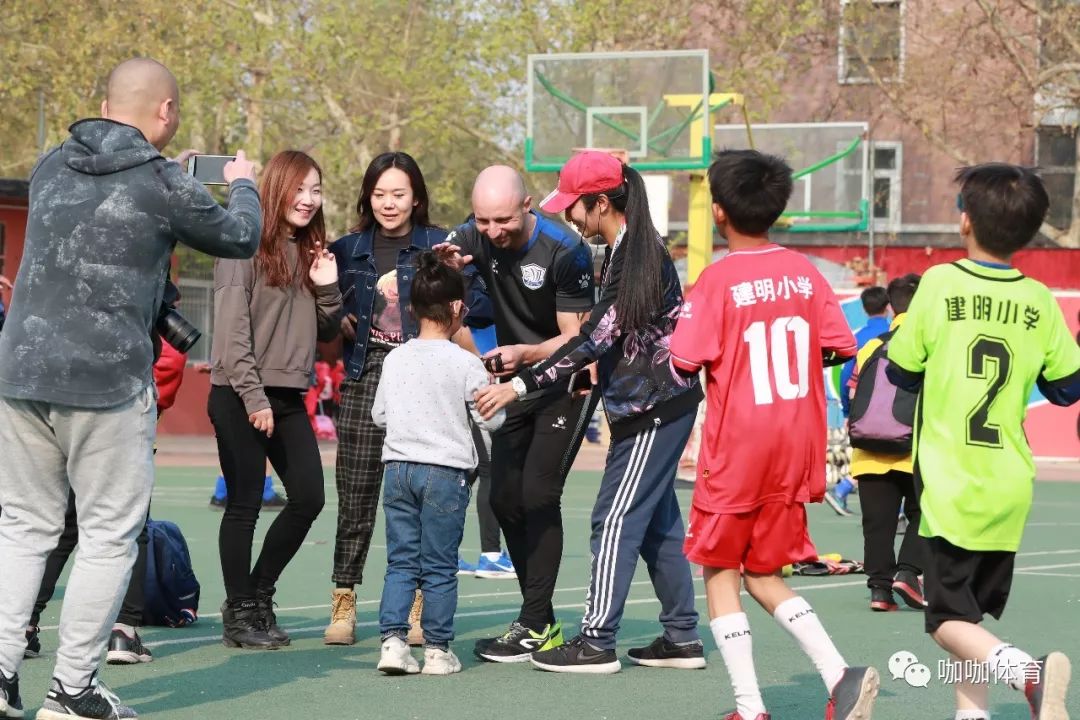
{"points": [[268, 313]]}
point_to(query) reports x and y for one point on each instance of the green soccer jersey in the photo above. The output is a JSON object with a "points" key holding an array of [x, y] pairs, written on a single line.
{"points": [[980, 336]]}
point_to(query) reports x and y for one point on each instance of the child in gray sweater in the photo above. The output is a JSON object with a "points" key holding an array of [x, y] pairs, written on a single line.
{"points": [[424, 400]]}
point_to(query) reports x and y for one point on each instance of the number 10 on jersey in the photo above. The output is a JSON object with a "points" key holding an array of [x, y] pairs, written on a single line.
{"points": [[769, 346]]}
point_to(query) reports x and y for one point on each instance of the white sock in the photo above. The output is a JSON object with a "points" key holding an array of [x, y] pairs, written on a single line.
{"points": [[129, 630], [799, 619], [1008, 663], [972, 715], [732, 634]]}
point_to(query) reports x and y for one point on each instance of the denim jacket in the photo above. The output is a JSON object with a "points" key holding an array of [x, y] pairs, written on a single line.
{"points": [[356, 270], [639, 386]]}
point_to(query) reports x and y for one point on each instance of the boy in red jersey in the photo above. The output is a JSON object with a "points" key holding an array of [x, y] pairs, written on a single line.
{"points": [[763, 323]]}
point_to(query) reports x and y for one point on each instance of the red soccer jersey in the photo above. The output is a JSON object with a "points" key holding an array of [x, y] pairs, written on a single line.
{"points": [[759, 322]]}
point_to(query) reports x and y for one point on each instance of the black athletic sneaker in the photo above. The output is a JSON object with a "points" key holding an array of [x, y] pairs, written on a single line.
{"points": [[127, 650], [882, 600], [853, 697], [577, 656], [10, 702], [1046, 686], [518, 643], [909, 587], [93, 702], [664, 653], [33, 642]]}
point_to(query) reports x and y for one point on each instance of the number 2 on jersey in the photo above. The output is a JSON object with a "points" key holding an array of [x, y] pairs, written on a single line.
{"points": [[773, 346], [989, 358]]}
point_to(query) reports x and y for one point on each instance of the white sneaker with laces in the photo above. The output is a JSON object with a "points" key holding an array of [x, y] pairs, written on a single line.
{"points": [[440, 662], [396, 658]]}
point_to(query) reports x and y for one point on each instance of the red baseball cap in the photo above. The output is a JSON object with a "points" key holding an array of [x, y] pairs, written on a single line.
{"points": [[587, 173]]}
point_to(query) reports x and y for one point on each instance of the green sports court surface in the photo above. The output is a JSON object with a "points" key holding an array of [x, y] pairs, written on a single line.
{"points": [[193, 675]]}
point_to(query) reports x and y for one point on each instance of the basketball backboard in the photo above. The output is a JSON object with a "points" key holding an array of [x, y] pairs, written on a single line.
{"points": [[654, 104], [830, 168]]}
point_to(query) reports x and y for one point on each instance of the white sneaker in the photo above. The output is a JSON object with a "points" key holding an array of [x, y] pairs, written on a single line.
{"points": [[396, 659], [440, 662]]}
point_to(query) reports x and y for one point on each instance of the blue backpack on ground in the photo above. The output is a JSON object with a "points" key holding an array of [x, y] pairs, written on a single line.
{"points": [[172, 592], [882, 415]]}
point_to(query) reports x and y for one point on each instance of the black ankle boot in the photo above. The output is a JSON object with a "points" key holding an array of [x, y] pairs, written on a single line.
{"points": [[243, 626], [265, 599]]}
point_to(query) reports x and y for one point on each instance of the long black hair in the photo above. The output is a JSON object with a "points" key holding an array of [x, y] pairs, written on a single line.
{"points": [[643, 251], [405, 163]]}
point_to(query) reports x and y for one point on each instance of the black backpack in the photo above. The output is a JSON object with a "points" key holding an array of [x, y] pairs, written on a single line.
{"points": [[172, 591], [882, 415]]}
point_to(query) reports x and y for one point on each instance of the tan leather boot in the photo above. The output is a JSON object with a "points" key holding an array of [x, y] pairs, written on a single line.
{"points": [[416, 635], [342, 627]]}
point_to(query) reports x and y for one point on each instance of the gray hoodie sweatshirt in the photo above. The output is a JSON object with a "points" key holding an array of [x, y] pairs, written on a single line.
{"points": [[106, 210]]}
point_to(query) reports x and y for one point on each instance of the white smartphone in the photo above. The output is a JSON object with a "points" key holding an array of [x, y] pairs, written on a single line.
{"points": [[209, 169]]}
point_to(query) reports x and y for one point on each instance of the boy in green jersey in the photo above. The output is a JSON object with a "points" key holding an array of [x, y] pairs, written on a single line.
{"points": [[977, 337]]}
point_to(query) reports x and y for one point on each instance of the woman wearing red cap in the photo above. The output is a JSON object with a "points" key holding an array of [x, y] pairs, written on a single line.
{"points": [[650, 410]]}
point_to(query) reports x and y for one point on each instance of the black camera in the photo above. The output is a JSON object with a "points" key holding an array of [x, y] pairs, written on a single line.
{"points": [[494, 364], [171, 325]]}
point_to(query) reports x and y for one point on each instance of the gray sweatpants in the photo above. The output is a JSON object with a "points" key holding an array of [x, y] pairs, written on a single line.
{"points": [[106, 456]]}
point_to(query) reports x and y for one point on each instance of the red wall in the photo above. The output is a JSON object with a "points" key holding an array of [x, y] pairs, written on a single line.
{"points": [[188, 416], [13, 219], [1056, 268]]}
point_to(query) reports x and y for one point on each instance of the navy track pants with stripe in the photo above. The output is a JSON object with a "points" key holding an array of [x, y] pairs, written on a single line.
{"points": [[637, 515]]}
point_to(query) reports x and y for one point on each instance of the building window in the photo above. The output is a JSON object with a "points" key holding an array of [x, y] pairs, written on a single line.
{"points": [[197, 306], [1055, 149], [886, 163], [871, 38]]}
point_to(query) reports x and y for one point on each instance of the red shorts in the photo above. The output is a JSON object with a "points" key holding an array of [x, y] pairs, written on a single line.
{"points": [[762, 540]]}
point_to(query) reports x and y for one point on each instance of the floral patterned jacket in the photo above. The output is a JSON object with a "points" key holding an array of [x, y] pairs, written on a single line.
{"points": [[639, 386]]}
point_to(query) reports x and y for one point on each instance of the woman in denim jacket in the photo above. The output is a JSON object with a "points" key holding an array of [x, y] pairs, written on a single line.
{"points": [[376, 266]]}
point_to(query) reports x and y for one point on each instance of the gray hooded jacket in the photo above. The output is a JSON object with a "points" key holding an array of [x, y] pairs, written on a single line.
{"points": [[106, 211]]}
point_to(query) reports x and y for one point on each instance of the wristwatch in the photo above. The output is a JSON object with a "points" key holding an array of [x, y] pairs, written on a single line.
{"points": [[519, 387]]}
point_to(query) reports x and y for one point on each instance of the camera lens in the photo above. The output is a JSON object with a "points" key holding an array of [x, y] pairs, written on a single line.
{"points": [[177, 331]]}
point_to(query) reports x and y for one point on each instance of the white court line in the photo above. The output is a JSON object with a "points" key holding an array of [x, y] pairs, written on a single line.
{"points": [[1048, 567], [1048, 552], [476, 613], [472, 596], [1048, 574]]}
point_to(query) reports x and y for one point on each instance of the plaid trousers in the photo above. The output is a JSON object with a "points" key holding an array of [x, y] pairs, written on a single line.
{"points": [[359, 470]]}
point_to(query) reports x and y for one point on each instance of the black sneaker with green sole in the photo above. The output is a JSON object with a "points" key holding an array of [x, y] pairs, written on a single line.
{"points": [[518, 643]]}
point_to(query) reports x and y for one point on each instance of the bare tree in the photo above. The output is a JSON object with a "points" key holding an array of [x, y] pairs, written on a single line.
{"points": [[987, 75]]}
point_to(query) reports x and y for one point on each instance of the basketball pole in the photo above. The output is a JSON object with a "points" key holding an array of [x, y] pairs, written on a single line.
{"points": [[699, 221]]}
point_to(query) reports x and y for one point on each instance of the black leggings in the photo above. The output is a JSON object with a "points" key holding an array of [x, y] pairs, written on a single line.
{"points": [[489, 524], [531, 455], [243, 451]]}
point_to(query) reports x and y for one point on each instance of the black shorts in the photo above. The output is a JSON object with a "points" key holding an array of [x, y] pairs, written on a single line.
{"points": [[962, 584]]}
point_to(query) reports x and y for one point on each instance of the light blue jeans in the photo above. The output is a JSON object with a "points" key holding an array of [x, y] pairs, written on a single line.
{"points": [[425, 518]]}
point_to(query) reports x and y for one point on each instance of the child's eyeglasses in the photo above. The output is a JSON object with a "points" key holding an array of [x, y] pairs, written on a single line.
{"points": [[960, 202]]}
